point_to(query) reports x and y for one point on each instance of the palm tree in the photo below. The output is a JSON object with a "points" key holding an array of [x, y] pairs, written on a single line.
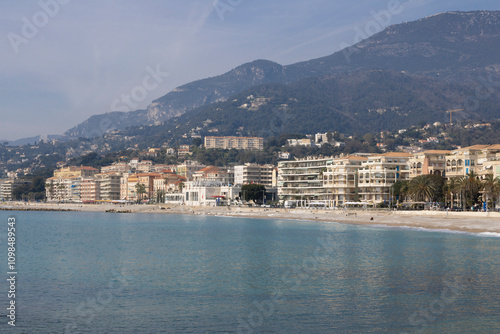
{"points": [[141, 190], [50, 186], [469, 187], [490, 187], [60, 187], [160, 196], [422, 188], [400, 190], [451, 188]]}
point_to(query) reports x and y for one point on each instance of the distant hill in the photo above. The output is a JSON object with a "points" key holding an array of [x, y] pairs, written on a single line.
{"points": [[454, 47], [184, 98], [31, 140], [352, 103]]}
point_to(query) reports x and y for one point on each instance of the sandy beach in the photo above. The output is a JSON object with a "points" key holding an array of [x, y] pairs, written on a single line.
{"points": [[473, 222]]}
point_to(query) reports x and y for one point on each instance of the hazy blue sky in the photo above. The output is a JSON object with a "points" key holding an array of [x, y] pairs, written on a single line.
{"points": [[63, 61]]}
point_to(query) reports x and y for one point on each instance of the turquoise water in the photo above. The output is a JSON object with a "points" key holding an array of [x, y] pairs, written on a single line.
{"points": [[128, 273]]}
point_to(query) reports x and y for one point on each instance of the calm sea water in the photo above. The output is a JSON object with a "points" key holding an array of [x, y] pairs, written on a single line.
{"points": [[128, 273]]}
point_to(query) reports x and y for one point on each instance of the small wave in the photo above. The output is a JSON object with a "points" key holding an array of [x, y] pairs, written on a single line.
{"points": [[489, 234], [441, 230]]}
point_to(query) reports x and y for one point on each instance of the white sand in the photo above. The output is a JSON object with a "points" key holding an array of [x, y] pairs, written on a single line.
{"points": [[475, 222]]}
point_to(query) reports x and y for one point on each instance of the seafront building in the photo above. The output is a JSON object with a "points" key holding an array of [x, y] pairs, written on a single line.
{"points": [[7, 188], [63, 189], [431, 162], [302, 179], [337, 181], [469, 159], [379, 173], [206, 193], [253, 173], [491, 166], [90, 190], [212, 193], [341, 179], [109, 186]]}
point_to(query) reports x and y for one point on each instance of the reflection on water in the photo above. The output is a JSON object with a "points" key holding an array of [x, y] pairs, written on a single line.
{"points": [[125, 273]]}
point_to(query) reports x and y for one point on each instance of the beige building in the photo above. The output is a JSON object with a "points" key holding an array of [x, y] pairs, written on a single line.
{"points": [[491, 166], [239, 143], [212, 173], [307, 142], [120, 167], [168, 183], [173, 182], [188, 168], [90, 190], [74, 171], [341, 179], [127, 187], [144, 166], [379, 173], [184, 150], [431, 162], [470, 159], [147, 180]]}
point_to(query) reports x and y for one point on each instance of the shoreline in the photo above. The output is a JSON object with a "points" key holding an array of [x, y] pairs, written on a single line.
{"points": [[471, 222]]}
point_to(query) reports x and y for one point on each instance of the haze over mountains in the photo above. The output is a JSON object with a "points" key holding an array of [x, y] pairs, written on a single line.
{"points": [[404, 74]]}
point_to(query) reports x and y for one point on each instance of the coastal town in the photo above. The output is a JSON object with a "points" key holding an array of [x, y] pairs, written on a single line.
{"points": [[250, 166], [358, 179]]}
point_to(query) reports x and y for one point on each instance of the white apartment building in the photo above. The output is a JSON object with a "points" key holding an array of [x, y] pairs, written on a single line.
{"points": [[337, 181], [8, 186], [303, 179], [253, 173], [206, 193], [63, 189]]}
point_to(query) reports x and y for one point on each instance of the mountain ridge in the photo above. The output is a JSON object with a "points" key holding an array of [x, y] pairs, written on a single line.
{"points": [[451, 46], [183, 98], [352, 103]]}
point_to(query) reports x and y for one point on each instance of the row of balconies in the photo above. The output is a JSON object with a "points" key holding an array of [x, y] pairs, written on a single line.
{"points": [[303, 186], [300, 173], [294, 180]]}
